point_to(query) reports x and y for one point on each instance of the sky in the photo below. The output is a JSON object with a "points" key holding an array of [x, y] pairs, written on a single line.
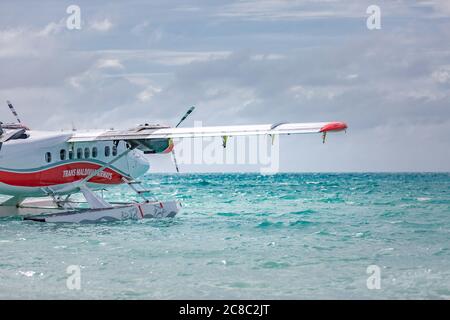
{"points": [[241, 62]]}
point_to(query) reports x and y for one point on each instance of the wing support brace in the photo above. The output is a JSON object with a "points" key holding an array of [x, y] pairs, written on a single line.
{"points": [[82, 183], [93, 174], [96, 202]]}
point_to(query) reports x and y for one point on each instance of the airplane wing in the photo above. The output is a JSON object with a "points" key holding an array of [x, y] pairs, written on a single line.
{"points": [[156, 132], [145, 134]]}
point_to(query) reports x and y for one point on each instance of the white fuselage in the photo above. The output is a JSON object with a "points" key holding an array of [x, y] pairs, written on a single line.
{"points": [[45, 162]]}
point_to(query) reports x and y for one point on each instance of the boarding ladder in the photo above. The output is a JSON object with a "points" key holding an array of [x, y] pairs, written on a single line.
{"points": [[139, 191]]}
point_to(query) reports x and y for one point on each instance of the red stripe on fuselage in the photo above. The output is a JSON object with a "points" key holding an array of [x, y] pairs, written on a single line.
{"points": [[62, 174]]}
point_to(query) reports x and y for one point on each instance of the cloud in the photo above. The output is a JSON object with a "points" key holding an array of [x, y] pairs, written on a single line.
{"points": [[289, 61], [26, 41], [442, 7], [164, 57], [101, 25], [140, 28], [292, 10], [304, 10], [187, 8], [109, 64], [52, 28], [148, 93], [442, 74], [275, 10]]}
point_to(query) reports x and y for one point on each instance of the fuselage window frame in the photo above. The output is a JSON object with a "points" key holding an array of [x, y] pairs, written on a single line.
{"points": [[94, 152], [87, 153], [48, 157], [62, 154], [107, 151], [79, 153]]}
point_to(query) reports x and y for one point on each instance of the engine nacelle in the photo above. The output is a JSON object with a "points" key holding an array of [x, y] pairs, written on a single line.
{"points": [[152, 146]]}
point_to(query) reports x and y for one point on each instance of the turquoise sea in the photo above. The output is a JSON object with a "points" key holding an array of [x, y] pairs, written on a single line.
{"points": [[291, 236]]}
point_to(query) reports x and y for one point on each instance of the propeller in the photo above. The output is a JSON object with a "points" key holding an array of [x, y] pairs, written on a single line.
{"points": [[11, 107], [18, 131], [185, 116], [10, 135], [179, 122], [175, 161]]}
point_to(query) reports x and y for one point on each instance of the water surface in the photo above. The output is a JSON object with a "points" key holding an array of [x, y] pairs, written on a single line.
{"points": [[292, 236]]}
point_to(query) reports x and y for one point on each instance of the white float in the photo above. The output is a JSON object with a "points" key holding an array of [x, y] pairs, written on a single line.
{"points": [[131, 211]]}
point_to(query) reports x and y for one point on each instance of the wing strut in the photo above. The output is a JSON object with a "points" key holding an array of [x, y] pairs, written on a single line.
{"points": [[80, 183], [93, 174]]}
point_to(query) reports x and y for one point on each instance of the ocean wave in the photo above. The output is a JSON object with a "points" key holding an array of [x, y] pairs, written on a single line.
{"points": [[301, 223], [269, 224], [303, 212], [274, 265], [227, 214], [280, 224]]}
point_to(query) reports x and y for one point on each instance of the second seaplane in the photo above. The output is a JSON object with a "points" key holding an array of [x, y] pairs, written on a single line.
{"points": [[54, 165]]}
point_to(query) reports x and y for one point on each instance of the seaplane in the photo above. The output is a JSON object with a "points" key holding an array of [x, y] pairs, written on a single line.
{"points": [[40, 171]]}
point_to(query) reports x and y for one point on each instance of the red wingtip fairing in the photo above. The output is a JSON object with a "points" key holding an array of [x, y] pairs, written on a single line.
{"points": [[334, 126]]}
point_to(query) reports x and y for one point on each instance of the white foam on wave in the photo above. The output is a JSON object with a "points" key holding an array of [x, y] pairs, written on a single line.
{"points": [[27, 273]]}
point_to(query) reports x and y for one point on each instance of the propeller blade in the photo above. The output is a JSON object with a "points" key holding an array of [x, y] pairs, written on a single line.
{"points": [[11, 107], [185, 116], [179, 122], [175, 161]]}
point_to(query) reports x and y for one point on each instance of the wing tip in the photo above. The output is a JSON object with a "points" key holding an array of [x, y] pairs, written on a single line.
{"points": [[334, 126]]}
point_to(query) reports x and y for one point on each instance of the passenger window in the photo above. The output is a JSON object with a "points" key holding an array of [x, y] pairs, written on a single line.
{"points": [[79, 153], [114, 151], [87, 152], [107, 151], [94, 152], [62, 154], [70, 154], [48, 157]]}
